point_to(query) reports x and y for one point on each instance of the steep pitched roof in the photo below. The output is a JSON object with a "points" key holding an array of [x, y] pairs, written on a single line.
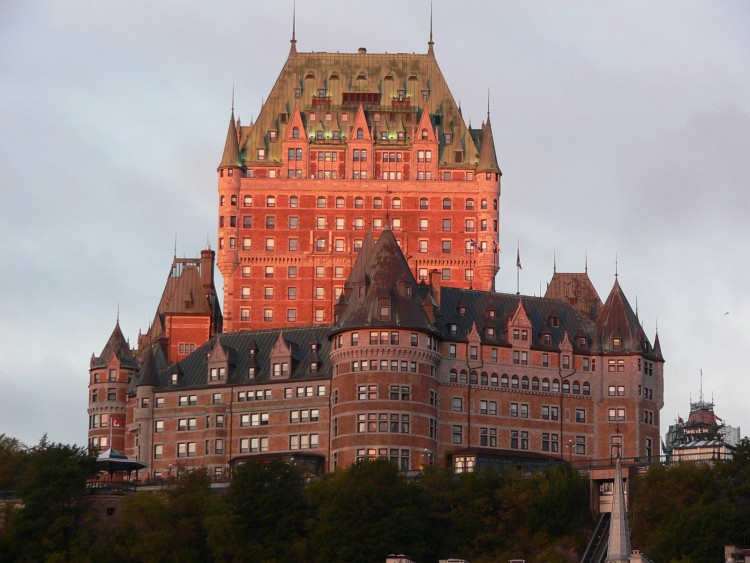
{"points": [[231, 156], [617, 320], [383, 280], [497, 311], [116, 347], [186, 292], [577, 290], [338, 83], [194, 368]]}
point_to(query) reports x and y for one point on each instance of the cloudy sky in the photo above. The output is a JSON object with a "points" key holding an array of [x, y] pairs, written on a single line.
{"points": [[622, 128]]}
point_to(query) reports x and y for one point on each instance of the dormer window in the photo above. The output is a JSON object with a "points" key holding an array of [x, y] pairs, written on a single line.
{"points": [[554, 321], [314, 346], [462, 311], [217, 374], [453, 328], [490, 333], [582, 341], [295, 132], [546, 339], [617, 344], [251, 373], [384, 309], [280, 369], [491, 313], [175, 378]]}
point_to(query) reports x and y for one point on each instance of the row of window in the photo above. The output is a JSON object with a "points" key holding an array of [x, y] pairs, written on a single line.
{"points": [[359, 202], [111, 376], [387, 337], [358, 224], [514, 382], [319, 315], [383, 422], [519, 440], [111, 395], [269, 291]]}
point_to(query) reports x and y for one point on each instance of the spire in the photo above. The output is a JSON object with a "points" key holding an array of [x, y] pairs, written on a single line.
{"points": [[617, 326], [149, 375], [116, 347], [554, 265], [586, 262], [618, 546], [294, 29], [487, 155], [430, 43], [231, 156]]}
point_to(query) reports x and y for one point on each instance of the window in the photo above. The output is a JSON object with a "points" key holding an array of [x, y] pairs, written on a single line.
{"points": [[580, 415], [457, 404], [268, 315], [581, 445], [550, 442], [291, 315], [457, 434], [270, 244], [291, 272], [447, 204], [247, 201]]}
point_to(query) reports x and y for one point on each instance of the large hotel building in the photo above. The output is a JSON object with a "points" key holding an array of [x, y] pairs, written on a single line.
{"points": [[358, 238]]}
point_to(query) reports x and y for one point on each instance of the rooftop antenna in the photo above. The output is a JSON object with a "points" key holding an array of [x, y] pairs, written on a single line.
{"points": [[175, 246]]}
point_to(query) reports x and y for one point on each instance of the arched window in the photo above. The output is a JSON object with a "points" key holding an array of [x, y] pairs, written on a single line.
{"points": [[504, 380], [545, 384], [233, 201], [453, 376], [555, 385], [396, 203], [535, 384], [473, 377], [377, 203], [484, 204], [566, 386], [359, 203], [423, 203], [339, 202], [586, 388], [576, 388], [462, 376], [514, 382], [524, 382], [493, 380]]}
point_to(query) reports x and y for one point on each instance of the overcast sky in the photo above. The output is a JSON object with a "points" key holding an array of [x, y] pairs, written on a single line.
{"points": [[622, 129]]}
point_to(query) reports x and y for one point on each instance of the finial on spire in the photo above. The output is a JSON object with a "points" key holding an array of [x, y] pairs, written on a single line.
{"points": [[636, 305], [118, 313], [616, 274], [554, 261], [232, 99], [175, 246], [488, 105], [586, 262]]}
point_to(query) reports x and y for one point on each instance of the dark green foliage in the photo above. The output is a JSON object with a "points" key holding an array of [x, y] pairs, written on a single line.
{"points": [[689, 512], [53, 476], [271, 514], [263, 516], [365, 513]]}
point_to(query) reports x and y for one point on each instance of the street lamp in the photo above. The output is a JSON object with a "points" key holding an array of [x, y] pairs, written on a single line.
{"points": [[570, 450]]}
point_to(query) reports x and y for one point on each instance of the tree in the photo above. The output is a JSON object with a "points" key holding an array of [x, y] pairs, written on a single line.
{"points": [[54, 475]]}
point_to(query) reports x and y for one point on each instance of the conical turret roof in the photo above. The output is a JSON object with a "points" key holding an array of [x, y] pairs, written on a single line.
{"points": [[231, 156], [117, 347], [487, 155], [149, 375], [617, 320], [382, 291]]}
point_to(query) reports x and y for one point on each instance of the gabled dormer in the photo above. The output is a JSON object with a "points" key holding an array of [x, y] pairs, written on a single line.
{"points": [[359, 149], [566, 352], [294, 147], [281, 358], [425, 148], [519, 328], [474, 347], [219, 363]]}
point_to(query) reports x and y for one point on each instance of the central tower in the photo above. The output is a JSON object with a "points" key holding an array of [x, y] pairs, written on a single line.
{"points": [[348, 143]]}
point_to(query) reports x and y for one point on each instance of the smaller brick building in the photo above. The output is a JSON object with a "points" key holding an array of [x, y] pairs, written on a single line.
{"points": [[415, 372]]}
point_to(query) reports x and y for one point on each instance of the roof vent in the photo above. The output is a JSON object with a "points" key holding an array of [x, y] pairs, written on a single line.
{"points": [[362, 50]]}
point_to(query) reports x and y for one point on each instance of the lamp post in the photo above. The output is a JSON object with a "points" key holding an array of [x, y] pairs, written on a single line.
{"points": [[570, 450]]}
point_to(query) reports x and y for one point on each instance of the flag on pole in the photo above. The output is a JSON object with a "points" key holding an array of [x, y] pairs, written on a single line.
{"points": [[115, 422], [475, 245], [518, 259]]}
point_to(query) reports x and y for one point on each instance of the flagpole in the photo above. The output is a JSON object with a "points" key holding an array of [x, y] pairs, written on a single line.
{"points": [[518, 267], [471, 267]]}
